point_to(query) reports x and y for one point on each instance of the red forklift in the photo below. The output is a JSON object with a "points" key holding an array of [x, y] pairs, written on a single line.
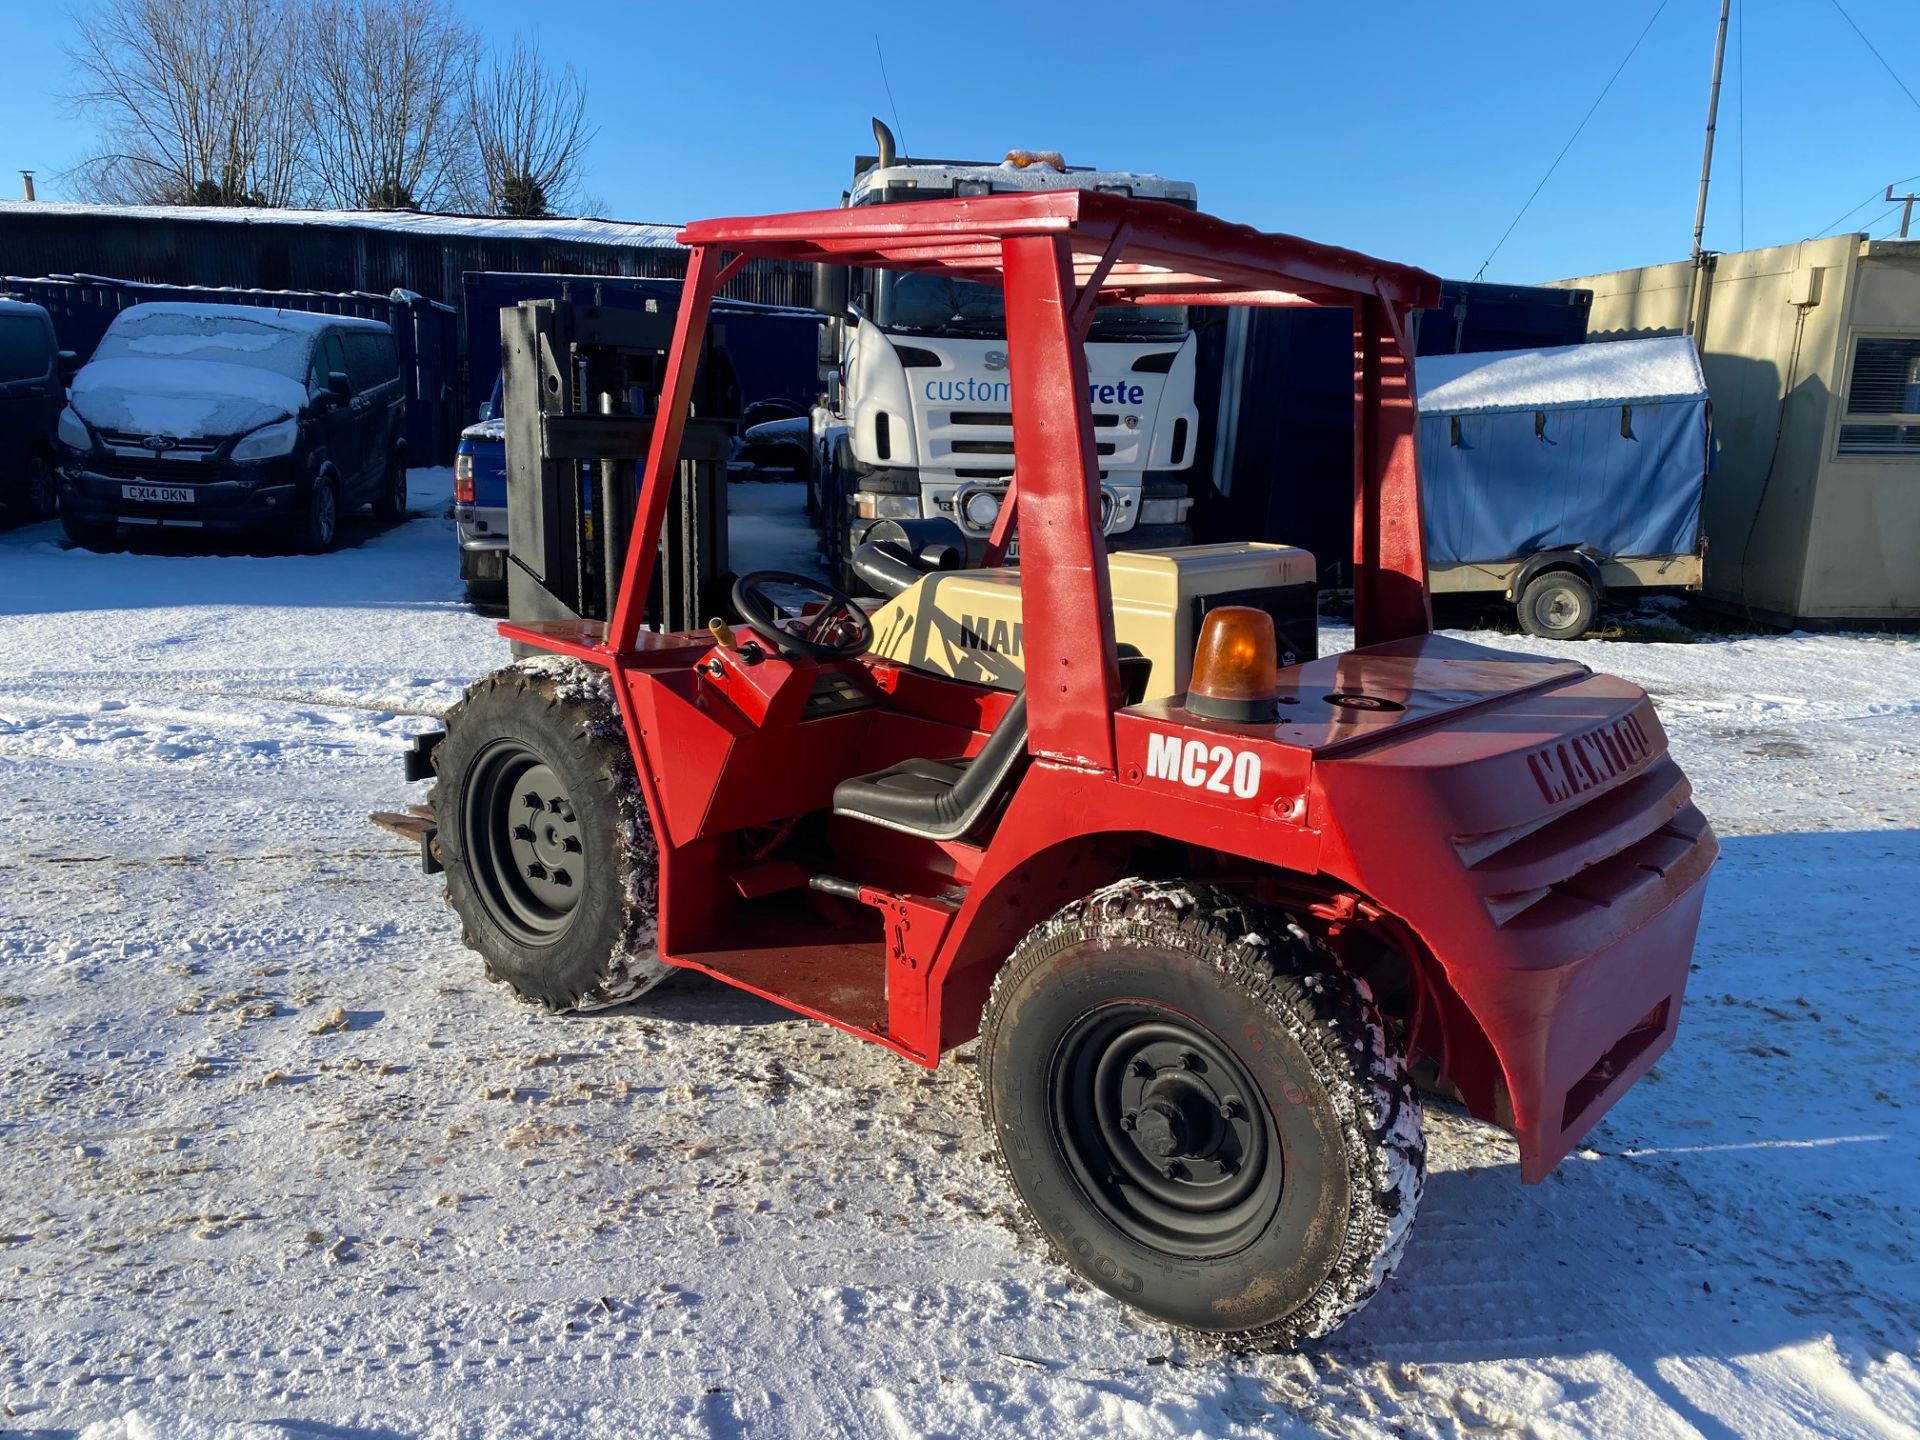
{"points": [[1212, 943]]}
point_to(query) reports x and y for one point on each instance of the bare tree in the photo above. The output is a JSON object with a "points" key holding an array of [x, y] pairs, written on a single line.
{"points": [[194, 99], [530, 131], [384, 100]]}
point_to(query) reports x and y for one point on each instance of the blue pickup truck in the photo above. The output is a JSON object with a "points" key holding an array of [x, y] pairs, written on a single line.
{"points": [[480, 503]]}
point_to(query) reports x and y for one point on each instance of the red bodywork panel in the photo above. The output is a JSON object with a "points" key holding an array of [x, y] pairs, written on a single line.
{"points": [[1512, 825]]}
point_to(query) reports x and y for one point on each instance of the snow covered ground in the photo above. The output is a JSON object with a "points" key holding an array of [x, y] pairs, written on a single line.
{"points": [[275, 1161]]}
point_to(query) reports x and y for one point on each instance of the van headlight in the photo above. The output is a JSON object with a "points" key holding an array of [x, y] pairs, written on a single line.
{"points": [[73, 431], [269, 441]]}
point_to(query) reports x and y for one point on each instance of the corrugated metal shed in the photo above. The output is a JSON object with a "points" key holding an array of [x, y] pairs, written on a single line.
{"points": [[347, 250]]}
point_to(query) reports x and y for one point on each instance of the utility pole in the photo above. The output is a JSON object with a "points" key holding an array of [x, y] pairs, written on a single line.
{"points": [[1906, 215], [1706, 168]]}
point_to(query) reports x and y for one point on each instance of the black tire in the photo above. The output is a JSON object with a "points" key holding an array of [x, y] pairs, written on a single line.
{"points": [[1557, 605], [316, 529], [1107, 1050], [91, 534], [580, 934], [391, 502], [39, 489]]}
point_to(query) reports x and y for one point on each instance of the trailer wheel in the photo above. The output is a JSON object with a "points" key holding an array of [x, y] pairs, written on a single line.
{"points": [[1204, 1113], [550, 858], [1557, 605]]}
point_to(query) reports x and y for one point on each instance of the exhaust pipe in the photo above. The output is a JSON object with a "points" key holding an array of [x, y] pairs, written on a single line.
{"points": [[26, 181], [882, 138]]}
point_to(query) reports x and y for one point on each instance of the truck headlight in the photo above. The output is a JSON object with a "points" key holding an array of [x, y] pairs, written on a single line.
{"points": [[869, 506], [1165, 512], [73, 431], [269, 441]]}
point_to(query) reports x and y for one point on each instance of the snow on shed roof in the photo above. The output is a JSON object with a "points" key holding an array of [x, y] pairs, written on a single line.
{"points": [[1562, 377], [306, 322], [497, 227]]}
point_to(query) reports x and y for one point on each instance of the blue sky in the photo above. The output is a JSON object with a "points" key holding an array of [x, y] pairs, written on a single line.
{"points": [[1414, 129]]}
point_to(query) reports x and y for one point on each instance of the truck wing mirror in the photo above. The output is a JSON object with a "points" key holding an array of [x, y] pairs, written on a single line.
{"points": [[339, 388], [830, 285]]}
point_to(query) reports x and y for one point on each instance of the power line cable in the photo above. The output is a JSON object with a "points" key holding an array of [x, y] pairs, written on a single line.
{"points": [[1877, 194], [892, 104], [1876, 54], [1570, 139]]}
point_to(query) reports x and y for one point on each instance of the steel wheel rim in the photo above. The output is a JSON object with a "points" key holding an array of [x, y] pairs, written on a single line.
{"points": [[1556, 609], [524, 844], [1164, 1131]]}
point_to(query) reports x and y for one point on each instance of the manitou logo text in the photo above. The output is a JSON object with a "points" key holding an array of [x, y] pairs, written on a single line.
{"points": [[989, 632], [1200, 766], [1567, 767]]}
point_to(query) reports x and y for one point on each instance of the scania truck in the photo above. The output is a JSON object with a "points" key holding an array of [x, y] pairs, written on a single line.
{"points": [[915, 421]]}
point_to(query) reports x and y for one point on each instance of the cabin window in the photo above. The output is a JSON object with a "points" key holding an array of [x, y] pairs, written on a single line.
{"points": [[1882, 416]]}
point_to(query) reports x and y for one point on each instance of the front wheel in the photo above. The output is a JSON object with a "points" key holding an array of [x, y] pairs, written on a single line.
{"points": [[550, 858], [317, 527], [1559, 605], [1205, 1114], [42, 490]]}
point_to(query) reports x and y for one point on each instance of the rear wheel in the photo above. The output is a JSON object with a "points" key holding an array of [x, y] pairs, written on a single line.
{"points": [[550, 858], [1559, 605], [1204, 1113], [391, 503]]}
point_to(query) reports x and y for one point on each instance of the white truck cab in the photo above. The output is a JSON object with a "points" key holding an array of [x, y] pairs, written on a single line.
{"points": [[916, 421]]}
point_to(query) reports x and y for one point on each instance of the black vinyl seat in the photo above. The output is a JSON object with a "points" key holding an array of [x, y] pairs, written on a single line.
{"points": [[940, 799], [951, 799]]}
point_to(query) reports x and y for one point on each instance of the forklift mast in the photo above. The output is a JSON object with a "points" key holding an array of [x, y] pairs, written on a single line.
{"points": [[582, 385]]}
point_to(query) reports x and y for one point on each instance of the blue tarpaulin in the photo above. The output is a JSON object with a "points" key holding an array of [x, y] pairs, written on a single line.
{"points": [[1603, 445]]}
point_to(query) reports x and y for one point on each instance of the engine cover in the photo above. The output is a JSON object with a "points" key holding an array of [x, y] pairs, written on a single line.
{"points": [[967, 624]]}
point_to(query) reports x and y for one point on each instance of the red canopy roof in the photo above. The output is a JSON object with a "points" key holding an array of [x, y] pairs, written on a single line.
{"points": [[1166, 255]]}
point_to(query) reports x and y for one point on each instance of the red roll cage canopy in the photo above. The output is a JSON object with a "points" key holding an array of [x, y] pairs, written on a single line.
{"points": [[1058, 255]]}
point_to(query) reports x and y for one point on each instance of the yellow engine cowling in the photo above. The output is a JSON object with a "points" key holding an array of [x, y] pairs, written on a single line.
{"points": [[968, 624]]}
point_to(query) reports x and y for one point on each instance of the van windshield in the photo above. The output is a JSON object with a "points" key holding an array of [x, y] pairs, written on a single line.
{"points": [[226, 339]]}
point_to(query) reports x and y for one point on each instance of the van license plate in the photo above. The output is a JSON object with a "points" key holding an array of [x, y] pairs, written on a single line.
{"points": [[163, 494]]}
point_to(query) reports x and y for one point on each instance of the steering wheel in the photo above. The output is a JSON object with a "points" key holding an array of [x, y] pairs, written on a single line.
{"points": [[840, 630]]}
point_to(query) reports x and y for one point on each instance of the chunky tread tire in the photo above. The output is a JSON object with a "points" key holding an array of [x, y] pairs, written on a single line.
{"points": [[1197, 949], [565, 711]]}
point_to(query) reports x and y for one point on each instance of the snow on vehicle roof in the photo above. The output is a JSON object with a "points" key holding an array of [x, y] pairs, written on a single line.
{"points": [[293, 322], [481, 227], [1561, 377], [1008, 176]]}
